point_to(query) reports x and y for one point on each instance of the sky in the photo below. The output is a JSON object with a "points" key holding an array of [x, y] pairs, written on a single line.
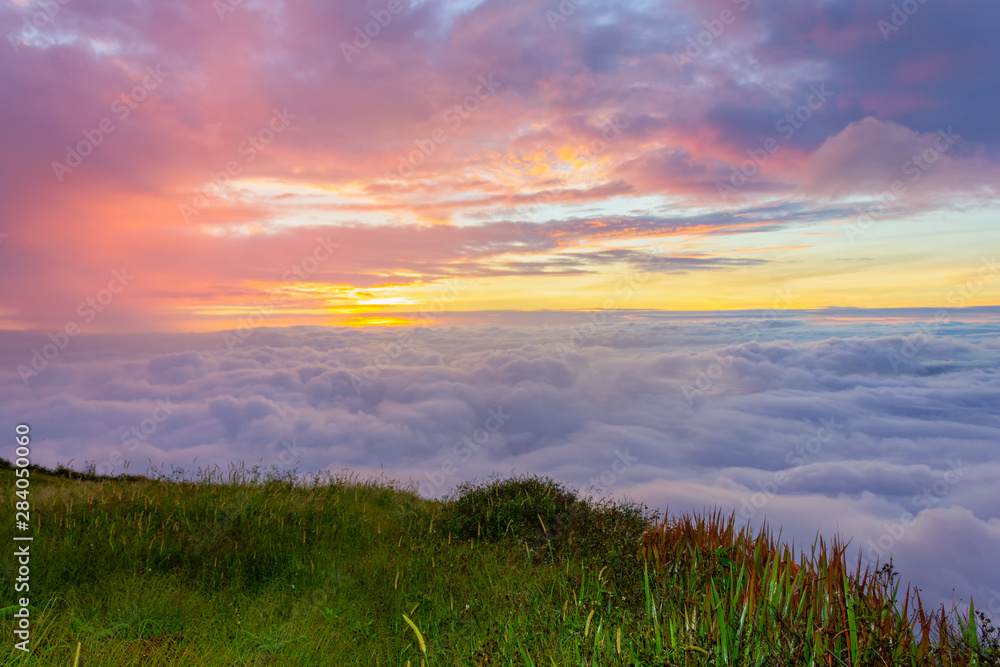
{"points": [[527, 153], [684, 233]]}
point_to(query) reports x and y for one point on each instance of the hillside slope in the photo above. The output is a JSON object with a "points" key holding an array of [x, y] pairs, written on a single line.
{"points": [[243, 568]]}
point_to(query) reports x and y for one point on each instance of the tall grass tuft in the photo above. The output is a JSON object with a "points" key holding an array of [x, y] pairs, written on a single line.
{"points": [[747, 597]]}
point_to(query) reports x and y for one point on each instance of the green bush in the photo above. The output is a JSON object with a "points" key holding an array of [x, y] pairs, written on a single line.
{"points": [[552, 520], [525, 508]]}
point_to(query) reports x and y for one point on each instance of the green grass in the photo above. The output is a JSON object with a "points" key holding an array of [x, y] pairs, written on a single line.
{"points": [[247, 568]]}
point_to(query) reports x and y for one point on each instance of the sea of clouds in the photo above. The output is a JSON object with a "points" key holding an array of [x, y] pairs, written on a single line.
{"points": [[885, 433]]}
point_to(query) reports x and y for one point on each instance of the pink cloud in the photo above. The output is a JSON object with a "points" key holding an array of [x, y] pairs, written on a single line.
{"points": [[869, 155]]}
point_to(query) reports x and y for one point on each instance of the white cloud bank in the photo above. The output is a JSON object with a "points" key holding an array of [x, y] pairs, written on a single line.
{"points": [[890, 438]]}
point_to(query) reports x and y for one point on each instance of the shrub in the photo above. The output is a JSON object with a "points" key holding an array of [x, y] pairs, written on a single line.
{"points": [[552, 520], [524, 508]]}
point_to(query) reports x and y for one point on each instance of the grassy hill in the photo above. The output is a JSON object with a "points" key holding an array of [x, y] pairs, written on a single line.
{"points": [[247, 568]]}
